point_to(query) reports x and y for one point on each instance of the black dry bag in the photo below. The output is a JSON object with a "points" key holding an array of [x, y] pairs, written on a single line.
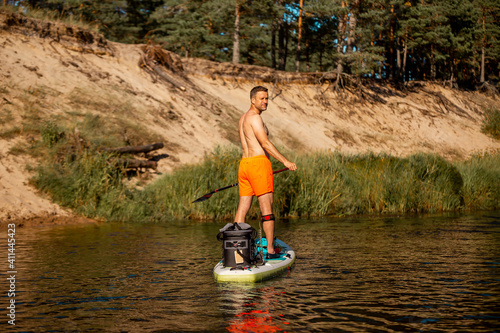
{"points": [[237, 244]]}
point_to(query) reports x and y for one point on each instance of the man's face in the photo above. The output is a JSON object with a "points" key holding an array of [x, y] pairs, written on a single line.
{"points": [[260, 101]]}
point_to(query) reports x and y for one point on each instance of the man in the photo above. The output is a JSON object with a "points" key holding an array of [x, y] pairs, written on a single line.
{"points": [[255, 174]]}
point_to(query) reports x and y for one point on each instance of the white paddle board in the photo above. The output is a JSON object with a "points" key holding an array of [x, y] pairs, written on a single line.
{"points": [[258, 272]]}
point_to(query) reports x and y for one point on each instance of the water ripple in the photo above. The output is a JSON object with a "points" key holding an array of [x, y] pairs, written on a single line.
{"points": [[351, 275]]}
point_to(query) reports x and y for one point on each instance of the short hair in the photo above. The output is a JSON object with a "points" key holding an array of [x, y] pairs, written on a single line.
{"points": [[255, 90]]}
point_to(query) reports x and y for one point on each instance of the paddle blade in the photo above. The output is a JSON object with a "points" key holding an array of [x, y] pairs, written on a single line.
{"points": [[203, 198]]}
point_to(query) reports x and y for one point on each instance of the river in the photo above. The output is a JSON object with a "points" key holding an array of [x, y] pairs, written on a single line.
{"points": [[362, 274]]}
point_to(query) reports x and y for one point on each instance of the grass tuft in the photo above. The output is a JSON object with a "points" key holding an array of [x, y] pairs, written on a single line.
{"points": [[491, 123]]}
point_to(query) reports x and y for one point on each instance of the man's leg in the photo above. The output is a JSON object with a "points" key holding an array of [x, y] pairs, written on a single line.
{"points": [[266, 208], [243, 208]]}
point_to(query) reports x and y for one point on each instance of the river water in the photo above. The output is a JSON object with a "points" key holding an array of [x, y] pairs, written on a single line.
{"points": [[363, 274]]}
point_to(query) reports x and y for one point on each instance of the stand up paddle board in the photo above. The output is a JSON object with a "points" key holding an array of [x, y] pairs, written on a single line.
{"points": [[261, 270]]}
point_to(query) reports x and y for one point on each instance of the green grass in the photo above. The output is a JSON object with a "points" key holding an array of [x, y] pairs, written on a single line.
{"points": [[491, 123], [325, 184], [481, 177], [89, 184], [367, 184]]}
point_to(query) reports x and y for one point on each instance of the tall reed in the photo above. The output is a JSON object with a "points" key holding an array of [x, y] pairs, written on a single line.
{"points": [[173, 194], [325, 184], [481, 176], [367, 183], [89, 184]]}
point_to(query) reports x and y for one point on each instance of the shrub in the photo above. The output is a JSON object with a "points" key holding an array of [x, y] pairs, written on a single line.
{"points": [[51, 133], [491, 123]]}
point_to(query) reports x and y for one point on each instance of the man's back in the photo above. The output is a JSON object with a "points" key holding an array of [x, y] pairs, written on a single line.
{"points": [[249, 126]]}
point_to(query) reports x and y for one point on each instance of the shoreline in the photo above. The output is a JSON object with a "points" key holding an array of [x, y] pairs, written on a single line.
{"points": [[36, 221]]}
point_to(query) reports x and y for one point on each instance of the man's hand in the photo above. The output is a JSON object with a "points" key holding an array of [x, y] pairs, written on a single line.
{"points": [[291, 166]]}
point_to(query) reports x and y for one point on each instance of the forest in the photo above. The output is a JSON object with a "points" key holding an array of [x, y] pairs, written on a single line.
{"points": [[453, 41]]}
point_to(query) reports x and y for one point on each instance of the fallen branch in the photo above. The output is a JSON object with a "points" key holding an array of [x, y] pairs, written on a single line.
{"points": [[135, 149], [155, 59], [161, 73], [135, 164]]}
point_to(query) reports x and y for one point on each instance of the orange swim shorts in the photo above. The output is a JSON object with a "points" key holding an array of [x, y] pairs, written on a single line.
{"points": [[255, 176]]}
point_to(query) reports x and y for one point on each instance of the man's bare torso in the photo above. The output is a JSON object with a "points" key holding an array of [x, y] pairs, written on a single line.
{"points": [[249, 142], [253, 132]]}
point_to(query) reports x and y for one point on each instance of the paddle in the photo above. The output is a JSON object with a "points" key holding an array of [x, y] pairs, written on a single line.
{"points": [[208, 195]]}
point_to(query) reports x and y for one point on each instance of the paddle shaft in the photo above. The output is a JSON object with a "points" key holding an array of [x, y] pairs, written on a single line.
{"points": [[208, 195]]}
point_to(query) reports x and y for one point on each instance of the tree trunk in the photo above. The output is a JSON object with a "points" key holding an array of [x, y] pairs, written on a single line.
{"points": [[473, 68], [282, 45], [432, 63], [398, 64], [236, 35], [391, 69], [273, 44], [483, 51], [158, 70], [351, 38], [287, 38], [297, 60], [405, 53], [482, 64], [340, 44], [308, 60]]}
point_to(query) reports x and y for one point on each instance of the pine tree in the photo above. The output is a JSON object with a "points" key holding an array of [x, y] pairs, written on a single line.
{"points": [[368, 59], [461, 17], [282, 22], [429, 34], [198, 28], [138, 23], [319, 29], [256, 32], [487, 33]]}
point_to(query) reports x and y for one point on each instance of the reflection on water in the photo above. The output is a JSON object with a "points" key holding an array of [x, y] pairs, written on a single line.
{"points": [[252, 307], [356, 274]]}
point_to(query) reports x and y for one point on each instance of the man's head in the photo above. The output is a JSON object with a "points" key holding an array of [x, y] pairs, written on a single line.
{"points": [[259, 98], [255, 90]]}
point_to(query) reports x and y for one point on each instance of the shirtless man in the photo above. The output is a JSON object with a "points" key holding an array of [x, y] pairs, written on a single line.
{"points": [[255, 174]]}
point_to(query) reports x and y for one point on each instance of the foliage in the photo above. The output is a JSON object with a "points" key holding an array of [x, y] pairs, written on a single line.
{"points": [[51, 133], [76, 174], [481, 177], [397, 39], [89, 184], [491, 123], [173, 194], [325, 184]]}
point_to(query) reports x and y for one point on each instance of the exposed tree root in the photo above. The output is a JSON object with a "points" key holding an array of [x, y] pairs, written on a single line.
{"points": [[489, 89], [155, 59]]}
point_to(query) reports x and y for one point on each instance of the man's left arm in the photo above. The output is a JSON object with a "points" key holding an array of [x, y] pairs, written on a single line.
{"points": [[267, 145]]}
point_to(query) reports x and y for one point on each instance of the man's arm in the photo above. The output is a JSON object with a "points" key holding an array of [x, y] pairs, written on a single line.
{"points": [[267, 145]]}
